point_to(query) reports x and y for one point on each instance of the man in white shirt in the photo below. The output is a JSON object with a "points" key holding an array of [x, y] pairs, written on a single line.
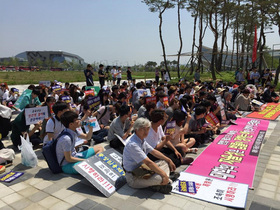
{"points": [[114, 74], [157, 139]]}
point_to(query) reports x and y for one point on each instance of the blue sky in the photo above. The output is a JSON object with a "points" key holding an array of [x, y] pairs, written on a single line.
{"points": [[121, 32]]}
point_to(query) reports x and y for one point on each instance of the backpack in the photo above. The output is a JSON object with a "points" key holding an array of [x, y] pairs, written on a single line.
{"points": [[49, 152]]}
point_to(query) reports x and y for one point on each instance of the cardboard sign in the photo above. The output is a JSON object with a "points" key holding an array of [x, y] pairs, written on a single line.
{"points": [[45, 83], [222, 111], [22, 100], [212, 190], [56, 88], [89, 92], [95, 88], [93, 123], [185, 186], [212, 119], [144, 92], [165, 101], [258, 103], [16, 91], [170, 128], [270, 112], [93, 101], [233, 155], [66, 99], [102, 170], [11, 176], [151, 99], [34, 115]]}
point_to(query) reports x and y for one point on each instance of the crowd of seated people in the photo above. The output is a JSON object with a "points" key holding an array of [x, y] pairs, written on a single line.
{"points": [[133, 119]]}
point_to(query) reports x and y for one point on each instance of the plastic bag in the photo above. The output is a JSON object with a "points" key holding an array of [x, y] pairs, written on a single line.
{"points": [[28, 156]]}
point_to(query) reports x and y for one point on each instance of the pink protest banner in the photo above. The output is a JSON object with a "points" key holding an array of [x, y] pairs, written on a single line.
{"points": [[233, 155]]}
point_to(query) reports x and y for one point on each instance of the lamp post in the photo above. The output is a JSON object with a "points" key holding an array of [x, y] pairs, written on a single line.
{"points": [[273, 53]]}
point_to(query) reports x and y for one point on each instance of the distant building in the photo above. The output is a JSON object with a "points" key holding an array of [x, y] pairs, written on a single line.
{"points": [[53, 56]]}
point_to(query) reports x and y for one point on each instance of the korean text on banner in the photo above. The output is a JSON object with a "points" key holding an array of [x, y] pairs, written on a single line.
{"points": [[233, 155], [269, 111], [213, 190], [34, 115], [102, 170]]}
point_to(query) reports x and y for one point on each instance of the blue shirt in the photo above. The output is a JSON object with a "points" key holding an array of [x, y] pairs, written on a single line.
{"points": [[135, 152], [65, 144]]}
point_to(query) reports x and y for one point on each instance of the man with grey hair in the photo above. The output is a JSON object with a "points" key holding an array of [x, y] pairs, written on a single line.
{"points": [[141, 172], [229, 108]]}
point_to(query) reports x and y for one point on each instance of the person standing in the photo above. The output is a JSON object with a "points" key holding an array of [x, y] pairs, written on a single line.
{"points": [[114, 74], [88, 74], [119, 76], [101, 75], [157, 75], [128, 73]]}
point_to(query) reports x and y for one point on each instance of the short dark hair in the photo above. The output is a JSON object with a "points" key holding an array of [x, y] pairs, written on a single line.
{"points": [[36, 91], [200, 110], [115, 87], [179, 116], [157, 115], [122, 95], [59, 106], [68, 117], [123, 110], [139, 85], [150, 105], [205, 103]]}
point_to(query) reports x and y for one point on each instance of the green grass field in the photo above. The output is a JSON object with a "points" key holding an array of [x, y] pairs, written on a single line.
{"points": [[18, 78]]}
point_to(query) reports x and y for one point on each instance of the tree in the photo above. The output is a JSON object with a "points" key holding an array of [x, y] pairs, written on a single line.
{"points": [[180, 5], [150, 65], [159, 6]]}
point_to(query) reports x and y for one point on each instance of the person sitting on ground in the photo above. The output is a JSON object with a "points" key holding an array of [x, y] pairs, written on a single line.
{"points": [[135, 158], [196, 127], [10, 97], [65, 148], [181, 128], [19, 128], [97, 136], [54, 125], [157, 139], [269, 95], [173, 105], [149, 107], [243, 101], [229, 108], [30, 99], [160, 103], [120, 126]]}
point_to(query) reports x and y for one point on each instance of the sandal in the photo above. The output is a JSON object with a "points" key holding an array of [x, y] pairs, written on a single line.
{"points": [[192, 150]]}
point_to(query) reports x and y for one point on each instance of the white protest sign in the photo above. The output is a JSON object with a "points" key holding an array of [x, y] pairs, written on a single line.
{"points": [[213, 190], [102, 170], [45, 83], [34, 115]]}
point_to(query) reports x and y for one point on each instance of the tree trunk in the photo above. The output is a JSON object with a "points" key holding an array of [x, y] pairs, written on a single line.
{"points": [[232, 53], [214, 50], [161, 39], [193, 45], [181, 41]]}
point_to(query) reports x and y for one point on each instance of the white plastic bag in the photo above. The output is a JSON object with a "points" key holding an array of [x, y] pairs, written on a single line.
{"points": [[28, 156]]}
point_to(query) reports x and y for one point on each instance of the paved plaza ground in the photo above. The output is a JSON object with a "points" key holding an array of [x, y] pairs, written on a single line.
{"points": [[38, 188]]}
